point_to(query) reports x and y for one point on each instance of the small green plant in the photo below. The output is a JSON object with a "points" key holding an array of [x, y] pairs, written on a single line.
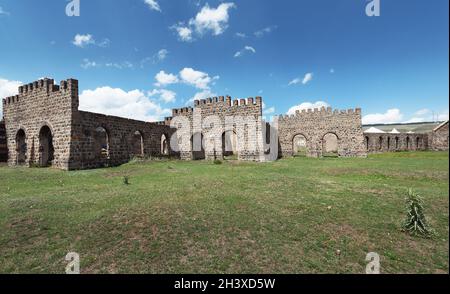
{"points": [[126, 180], [217, 161], [415, 222]]}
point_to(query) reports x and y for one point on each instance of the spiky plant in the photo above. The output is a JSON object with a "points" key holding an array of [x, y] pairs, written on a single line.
{"points": [[415, 222]]}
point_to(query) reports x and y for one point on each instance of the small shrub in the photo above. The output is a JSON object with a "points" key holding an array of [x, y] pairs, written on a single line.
{"points": [[415, 222], [126, 180], [217, 161]]}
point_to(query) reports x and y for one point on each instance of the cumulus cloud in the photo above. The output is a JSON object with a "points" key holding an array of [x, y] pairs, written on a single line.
{"points": [[307, 105], [163, 79], [244, 50], [166, 96], [115, 101], [208, 20], [198, 79], [7, 88], [393, 115], [241, 35], [305, 80], [153, 5], [265, 31], [82, 41]]}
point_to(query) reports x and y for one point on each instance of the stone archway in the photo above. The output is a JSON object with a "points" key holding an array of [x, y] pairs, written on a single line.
{"points": [[46, 150], [137, 144], [164, 145], [21, 147], [299, 145], [330, 145], [229, 145], [197, 146], [101, 143]]}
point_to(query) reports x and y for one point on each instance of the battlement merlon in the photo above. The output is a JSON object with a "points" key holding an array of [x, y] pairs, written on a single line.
{"points": [[44, 85], [227, 101], [320, 112]]}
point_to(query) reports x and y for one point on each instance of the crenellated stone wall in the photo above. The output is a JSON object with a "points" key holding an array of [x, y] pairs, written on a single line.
{"points": [[315, 126], [387, 142]]}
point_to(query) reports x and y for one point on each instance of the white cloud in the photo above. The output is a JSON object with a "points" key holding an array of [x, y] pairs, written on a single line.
{"points": [[125, 64], [269, 110], [162, 54], [307, 105], [207, 20], [164, 95], [198, 79], [422, 112], [390, 116], [265, 31], [241, 35], [184, 32], [153, 5], [163, 79], [7, 88], [83, 40], [115, 101], [245, 49], [305, 80], [87, 39], [88, 64]]}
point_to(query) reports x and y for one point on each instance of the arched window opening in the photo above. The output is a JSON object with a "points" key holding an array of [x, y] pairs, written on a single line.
{"points": [[46, 150], [101, 139], [137, 144], [330, 145], [299, 146], [197, 145], [164, 145], [21, 147], [229, 145]]}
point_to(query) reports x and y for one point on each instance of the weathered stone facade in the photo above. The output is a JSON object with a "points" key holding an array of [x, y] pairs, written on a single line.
{"points": [[44, 127], [322, 129], [439, 137], [387, 142], [218, 121], [3, 147]]}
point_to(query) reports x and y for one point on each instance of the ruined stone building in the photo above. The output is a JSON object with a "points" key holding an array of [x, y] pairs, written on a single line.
{"points": [[44, 127]]}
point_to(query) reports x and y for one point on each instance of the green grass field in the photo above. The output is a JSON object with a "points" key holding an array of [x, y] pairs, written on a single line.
{"points": [[289, 216]]}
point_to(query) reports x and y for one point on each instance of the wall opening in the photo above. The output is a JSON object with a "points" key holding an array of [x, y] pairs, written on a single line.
{"points": [[299, 146], [164, 145], [101, 139], [46, 150], [396, 143], [21, 147], [418, 143], [137, 144], [229, 145], [380, 143], [367, 143], [389, 143], [330, 145], [197, 145], [408, 143]]}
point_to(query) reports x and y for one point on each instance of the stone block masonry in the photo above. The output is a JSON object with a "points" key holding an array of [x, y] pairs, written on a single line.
{"points": [[44, 127]]}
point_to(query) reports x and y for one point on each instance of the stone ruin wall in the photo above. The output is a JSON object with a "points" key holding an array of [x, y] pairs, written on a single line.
{"points": [[228, 112], [383, 142], [313, 125], [42, 103], [3, 146], [39, 104], [439, 138]]}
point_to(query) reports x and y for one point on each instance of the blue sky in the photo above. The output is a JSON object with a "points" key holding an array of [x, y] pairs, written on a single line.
{"points": [[140, 58]]}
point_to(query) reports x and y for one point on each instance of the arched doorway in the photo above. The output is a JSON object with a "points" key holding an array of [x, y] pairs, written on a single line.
{"points": [[21, 147], [229, 145], [164, 145], [137, 144], [299, 145], [46, 151], [330, 145], [101, 144], [408, 143], [198, 150]]}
